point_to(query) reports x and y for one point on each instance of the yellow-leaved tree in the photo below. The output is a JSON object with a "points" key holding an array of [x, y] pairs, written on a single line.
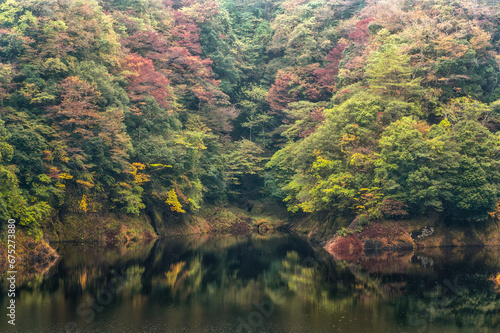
{"points": [[173, 202]]}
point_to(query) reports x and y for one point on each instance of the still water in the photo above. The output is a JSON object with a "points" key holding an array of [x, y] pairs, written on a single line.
{"points": [[258, 284]]}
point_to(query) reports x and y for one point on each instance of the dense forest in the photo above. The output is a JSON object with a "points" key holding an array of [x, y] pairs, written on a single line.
{"points": [[379, 108]]}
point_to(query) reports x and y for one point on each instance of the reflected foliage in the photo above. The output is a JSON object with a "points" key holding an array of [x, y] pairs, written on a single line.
{"points": [[222, 277]]}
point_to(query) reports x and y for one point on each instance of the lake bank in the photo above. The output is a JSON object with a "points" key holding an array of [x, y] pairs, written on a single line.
{"points": [[116, 230], [346, 243], [212, 283], [412, 234]]}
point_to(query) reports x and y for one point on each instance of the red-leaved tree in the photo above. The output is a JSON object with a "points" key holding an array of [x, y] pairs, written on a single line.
{"points": [[144, 80], [326, 76], [361, 34], [294, 85]]}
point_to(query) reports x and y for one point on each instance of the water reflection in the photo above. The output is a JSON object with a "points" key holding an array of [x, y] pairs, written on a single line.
{"points": [[255, 284]]}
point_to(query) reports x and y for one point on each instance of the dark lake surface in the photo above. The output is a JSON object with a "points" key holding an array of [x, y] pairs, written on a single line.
{"points": [[276, 283]]}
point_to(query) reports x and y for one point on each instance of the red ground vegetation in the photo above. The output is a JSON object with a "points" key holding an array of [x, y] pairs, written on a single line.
{"points": [[374, 236], [389, 235], [349, 248]]}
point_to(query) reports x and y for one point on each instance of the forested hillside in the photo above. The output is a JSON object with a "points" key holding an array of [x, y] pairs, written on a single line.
{"points": [[381, 108]]}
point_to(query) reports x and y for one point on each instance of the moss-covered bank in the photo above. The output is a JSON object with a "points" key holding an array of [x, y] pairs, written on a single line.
{"points": [[103, 228], [215, 220], [120, 230], [113, 229]]}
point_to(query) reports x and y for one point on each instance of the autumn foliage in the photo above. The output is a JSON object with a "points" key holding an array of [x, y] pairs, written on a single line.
{"points": [[144, 81], [388, 109]]}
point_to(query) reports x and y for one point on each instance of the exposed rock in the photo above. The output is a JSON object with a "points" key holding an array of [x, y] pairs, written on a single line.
{"points": [[33, 256], [42, 257], [423, 233]]}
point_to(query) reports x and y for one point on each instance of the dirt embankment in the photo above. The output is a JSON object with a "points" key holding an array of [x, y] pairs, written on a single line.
{"points": [[32, 256], [35, 255], [354, 241], [120, 230], [215, 220]]}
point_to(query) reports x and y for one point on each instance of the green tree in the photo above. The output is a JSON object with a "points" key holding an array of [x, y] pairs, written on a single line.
{"points": [[13, 205], [245, 159]]}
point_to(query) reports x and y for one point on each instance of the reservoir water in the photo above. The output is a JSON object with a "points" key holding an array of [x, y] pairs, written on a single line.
{"points": [[277, 283]]}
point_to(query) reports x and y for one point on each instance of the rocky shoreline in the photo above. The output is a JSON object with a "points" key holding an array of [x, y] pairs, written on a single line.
{"points": [[353, 242], [33, 256], [359, 239], [118, 230]]}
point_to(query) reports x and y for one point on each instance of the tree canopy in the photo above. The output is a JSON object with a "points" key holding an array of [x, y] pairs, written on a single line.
{"points": [[383, 108]]}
